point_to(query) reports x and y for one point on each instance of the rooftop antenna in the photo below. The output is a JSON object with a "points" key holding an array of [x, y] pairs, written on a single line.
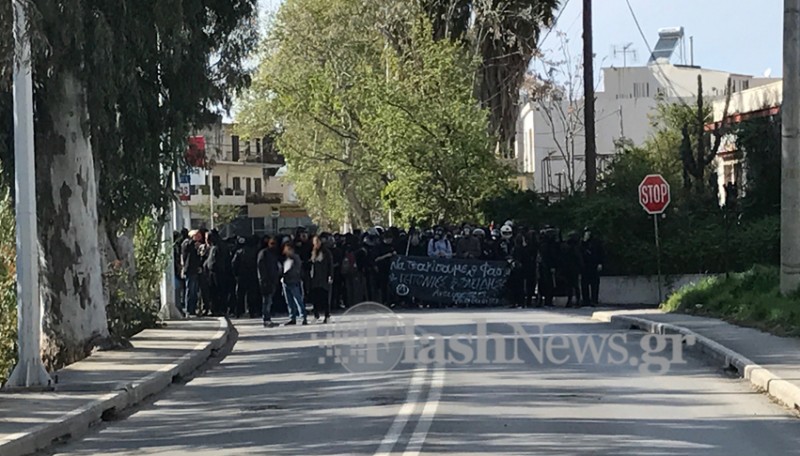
{"points": [[624, 50]]}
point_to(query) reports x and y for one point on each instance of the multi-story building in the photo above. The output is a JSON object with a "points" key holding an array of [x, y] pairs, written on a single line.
{"points": [[550, 133], [246, 174]]}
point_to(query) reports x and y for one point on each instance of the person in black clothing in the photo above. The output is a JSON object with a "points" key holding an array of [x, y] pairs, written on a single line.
{"points": [[365, 257], [593, 258], [269, 273], [192, 269], [355, 291], [529, 266], [384, 254], [321, 278], [302, 247], [416, 247], [180, 285], [205, 288], [217, 269], [571, 267], [337, 252], [547, 262], [245, 270]]}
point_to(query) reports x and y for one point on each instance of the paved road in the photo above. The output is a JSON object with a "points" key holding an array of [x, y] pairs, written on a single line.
{"points": [[272, 396]]}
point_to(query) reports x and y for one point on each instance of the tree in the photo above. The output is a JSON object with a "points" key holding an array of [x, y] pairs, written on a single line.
{"points": [[557, 91], [375, 115], [759, 141], [504, 34], [113, 106], [680, 131], [223, 214]]}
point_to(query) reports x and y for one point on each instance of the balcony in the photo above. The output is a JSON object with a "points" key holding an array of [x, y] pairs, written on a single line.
{"points": [[264, 198], [224, 197]]}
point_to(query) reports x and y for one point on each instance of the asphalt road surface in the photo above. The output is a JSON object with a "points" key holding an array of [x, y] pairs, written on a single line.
{"points": [[279, 393]]}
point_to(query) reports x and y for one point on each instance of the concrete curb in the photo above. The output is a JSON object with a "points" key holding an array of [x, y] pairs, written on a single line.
{"points": [[782, 390], [79, 421]]}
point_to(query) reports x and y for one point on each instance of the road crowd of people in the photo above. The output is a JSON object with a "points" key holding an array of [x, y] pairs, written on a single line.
{"points": [[258, 275]]}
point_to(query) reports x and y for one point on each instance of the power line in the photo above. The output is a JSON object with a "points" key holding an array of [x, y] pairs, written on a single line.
{"points": [[555, 22], [650, 49]]}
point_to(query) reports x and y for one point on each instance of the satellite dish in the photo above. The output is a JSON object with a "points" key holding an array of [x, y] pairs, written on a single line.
{"points": [[768, 72]]}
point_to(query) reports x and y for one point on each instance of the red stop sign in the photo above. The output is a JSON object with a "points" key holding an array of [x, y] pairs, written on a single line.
{"points": [[654, 194]]}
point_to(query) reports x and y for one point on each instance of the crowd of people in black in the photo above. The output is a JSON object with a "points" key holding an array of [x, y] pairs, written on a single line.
{"points": [[256, 276]]}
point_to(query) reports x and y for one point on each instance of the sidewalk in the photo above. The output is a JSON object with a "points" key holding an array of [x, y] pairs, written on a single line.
{"points": [[105, 383], [769, 362]]}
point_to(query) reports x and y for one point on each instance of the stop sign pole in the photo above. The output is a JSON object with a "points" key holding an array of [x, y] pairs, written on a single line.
{"points": [[654, 196]]}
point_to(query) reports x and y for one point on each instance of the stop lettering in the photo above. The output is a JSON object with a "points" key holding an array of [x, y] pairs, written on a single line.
{"points": [[654, 194]]}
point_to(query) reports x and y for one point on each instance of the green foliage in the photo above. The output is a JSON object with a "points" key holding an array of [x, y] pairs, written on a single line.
{"points": [[760, 142], [135, 58], [151, 262], [503, 35], [223, 214], [127, 315], [697, 236], [374, 114], [8, 288], [751, 298]]}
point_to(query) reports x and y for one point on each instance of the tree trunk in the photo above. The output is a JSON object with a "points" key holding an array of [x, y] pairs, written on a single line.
{"points": [[360, 214], [70, 255]]}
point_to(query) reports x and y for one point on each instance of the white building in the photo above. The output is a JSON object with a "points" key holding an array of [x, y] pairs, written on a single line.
{"points": [[761, 101], [249, 175], [547, 143]]}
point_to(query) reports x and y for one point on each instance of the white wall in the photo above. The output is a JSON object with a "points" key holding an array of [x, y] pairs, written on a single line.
{"points": [[622, 108], [641, 290]]}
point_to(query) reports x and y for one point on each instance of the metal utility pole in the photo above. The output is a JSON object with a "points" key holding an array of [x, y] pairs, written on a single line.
{"points": [[29, 371], [211, 197], [169, 306], [590, 155], [790, 152]]}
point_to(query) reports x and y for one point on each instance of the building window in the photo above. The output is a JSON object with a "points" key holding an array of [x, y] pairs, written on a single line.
{"points": [[237, 183], [248, 186], [217, 185], [641, 90], [235, 148], [745, 85], [258, 186]]}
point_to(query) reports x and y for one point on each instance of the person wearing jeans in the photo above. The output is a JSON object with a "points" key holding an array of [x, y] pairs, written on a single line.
{"points": [[192, 268], [292, 278]]}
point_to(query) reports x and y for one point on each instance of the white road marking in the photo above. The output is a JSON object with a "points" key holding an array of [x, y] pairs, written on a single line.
{"points": [[428, 413], [412, 400]]}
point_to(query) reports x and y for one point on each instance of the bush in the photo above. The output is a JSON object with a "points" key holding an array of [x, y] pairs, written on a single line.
{"points": [[128, 315], [751, 298], [8, 288]]}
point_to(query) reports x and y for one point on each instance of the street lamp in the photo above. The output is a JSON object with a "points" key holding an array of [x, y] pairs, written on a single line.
{"points": [[29, 371]]}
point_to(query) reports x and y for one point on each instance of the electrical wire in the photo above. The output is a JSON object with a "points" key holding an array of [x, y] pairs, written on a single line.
{"points": [[650, 49], [555, 22]]}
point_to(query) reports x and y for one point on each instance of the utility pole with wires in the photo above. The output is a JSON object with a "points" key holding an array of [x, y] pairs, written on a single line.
{"points": [[588, 99], [790, 153]]}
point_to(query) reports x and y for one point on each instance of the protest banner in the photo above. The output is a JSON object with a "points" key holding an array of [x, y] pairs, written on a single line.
{"points": [[450, 281]]}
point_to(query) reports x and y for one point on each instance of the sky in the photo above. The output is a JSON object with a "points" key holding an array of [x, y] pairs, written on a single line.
{"points": [[741, 36]]}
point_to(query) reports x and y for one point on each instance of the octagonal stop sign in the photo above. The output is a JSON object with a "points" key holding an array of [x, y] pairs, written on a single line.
{"points": [[654, 194]]}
